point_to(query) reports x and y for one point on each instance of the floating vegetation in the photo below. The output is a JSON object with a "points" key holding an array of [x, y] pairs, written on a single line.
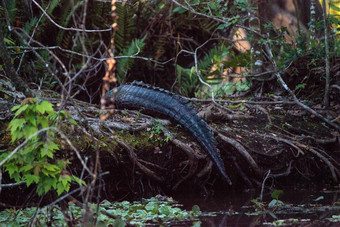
{"points": [[156, 210]]}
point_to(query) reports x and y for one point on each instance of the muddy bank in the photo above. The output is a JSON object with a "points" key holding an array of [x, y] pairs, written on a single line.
{"points": [[262, 146]]}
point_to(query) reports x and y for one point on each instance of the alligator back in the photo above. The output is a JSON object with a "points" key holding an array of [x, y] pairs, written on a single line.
{"points": [[156, 101]]}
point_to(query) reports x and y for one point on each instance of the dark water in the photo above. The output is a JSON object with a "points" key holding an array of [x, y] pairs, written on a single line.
{"points": [[237, 209]]}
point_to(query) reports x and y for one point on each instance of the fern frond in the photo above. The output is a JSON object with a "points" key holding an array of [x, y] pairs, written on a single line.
{"points": [[30, 24], [185, 76], [12, 10], [126, 26], [124, 64], [65, 19], [51, 7]]}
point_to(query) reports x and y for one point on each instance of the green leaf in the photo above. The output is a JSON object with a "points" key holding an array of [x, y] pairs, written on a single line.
{"points": [[32, 120], [47, 183], [165, 210], [276, 194], [16, 124], [334, 7], [21, 109], [60, 189], [71, 121], [118, 223], [46, 152], [43, 121], [212, 5], [53, 146], [65, 180], [300, 86], [78, 180], [25, 168], [14, 108], [123, 65], [30, 179], [197, 224], [45, 106], [223, 26], [196, 209], [11, 168], [179, 10], [29, 131], [51, 167], [319, 198], [47, 187], [9, 42]]}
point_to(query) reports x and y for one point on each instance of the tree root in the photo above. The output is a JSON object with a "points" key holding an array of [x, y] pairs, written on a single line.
{"points": [[299, 146], [243, 152], [134, 159], [132, 121]]}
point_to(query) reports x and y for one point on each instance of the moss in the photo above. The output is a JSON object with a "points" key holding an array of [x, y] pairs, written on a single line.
{"points": [[5, 137], [137, 140]]}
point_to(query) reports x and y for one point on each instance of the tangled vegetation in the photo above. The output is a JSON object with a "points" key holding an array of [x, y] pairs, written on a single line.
{"points": [[265, 77]]}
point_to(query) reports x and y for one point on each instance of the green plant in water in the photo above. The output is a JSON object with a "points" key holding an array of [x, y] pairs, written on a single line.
{"points": [[35, 161], [153, 210]]}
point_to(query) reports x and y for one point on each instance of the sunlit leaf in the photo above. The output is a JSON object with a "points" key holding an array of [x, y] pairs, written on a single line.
{"points": [[21, 109], [45, 106]]}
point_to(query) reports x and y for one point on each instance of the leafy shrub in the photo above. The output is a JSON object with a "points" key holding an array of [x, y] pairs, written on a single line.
{"points": [[35, 161]]}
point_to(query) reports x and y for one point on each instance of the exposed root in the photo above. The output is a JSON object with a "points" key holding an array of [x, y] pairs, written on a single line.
{"points": [[206, 170], [188, 150], [193, 168], [284, 174], [299, 146], [243, 175], [134, 159], [243, 152]]}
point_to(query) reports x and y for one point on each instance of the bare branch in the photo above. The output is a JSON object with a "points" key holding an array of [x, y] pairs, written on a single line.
{"points": [[68, 29]]}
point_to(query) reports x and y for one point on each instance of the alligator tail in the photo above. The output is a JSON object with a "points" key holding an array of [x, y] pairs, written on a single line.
{"points": [[156, 101]]}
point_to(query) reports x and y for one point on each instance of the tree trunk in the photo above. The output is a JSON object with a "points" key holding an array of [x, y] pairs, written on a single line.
{"points": [[10, 72]]}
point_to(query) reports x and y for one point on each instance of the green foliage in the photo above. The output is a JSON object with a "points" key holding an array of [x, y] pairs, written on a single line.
{"points": [[187, 77], [259, 205], [126, 24], [300, 86], [315, 48], [124, 64], [151, 210], [276, 194], [213, 64], [11, 9], [125, 45], [36, 161], [157, 134], [63, 38]]}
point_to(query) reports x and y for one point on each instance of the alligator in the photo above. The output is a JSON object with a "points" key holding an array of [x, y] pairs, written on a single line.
{"points": [[159, 102]]}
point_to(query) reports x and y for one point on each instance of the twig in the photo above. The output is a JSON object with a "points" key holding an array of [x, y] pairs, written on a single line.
{"points": [[63, 197], [68, 29], [263, 183], [285, 86], [220, 20], [286, 173], [12, 184]]}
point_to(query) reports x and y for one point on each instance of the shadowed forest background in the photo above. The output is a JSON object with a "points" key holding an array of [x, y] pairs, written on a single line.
{"points": [[264, 75]]}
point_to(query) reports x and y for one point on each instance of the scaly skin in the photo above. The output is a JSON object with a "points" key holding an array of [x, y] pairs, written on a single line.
{"points": [[159, 102]]}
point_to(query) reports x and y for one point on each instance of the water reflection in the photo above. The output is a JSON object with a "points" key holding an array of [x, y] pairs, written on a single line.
{"points": [[294, 207]]}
